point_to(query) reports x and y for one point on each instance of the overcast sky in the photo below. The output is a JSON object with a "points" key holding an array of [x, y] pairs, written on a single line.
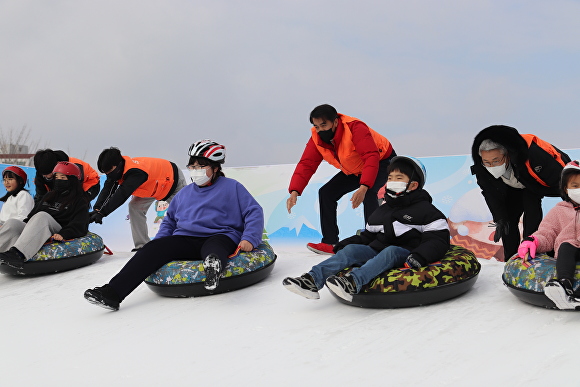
{"points": [[151, 77]]}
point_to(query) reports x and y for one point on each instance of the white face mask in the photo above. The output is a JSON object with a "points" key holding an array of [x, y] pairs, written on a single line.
{"points": [[574, 194], [199, 176], [396, 186], [497, 171]]}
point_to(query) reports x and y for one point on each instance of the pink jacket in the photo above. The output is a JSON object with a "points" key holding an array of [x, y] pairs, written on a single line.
{"points": [[558, 226]]}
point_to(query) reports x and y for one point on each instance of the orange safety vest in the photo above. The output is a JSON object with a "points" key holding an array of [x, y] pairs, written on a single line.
{"points": [[349, 161], [548, 148], [90, 176], [160, 173]]}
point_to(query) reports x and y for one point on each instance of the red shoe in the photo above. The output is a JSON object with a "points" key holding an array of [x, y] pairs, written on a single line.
{"points": [[320, 248]]}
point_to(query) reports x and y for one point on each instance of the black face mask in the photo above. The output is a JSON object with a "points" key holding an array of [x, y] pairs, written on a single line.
{"points": [[116, 174], [326, 135], [61, 185]]}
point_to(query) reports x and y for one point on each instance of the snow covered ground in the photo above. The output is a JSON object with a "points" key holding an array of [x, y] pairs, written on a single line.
{"points": [[266, 336]]}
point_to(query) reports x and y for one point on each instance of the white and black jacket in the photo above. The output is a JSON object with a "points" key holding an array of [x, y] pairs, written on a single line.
{"points": [[410, 222]]}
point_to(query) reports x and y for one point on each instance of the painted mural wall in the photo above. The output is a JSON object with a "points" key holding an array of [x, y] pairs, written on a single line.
{"points": [[449, 181]]}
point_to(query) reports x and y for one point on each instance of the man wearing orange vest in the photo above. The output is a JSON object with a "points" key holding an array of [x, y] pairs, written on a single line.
{"points": [[46, 159], [361, 154], [146, 178], [515, 171]]}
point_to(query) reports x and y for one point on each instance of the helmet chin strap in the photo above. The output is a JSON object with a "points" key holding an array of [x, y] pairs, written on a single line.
{"points": [[399, 194], [405, 191]]}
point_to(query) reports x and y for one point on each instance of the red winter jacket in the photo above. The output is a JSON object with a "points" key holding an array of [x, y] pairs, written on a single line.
{"points": [[358, 151]]}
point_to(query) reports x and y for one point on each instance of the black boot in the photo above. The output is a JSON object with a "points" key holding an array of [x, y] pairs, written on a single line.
{"points": [[103, 296], [13, 258]]}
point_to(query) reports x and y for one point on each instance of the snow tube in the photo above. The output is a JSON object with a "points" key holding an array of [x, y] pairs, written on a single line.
{"points": [[185, 278], [527, 281], [60, 256], [454, 275]]}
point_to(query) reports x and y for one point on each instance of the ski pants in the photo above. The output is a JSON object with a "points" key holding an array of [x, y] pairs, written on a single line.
{"points": [[158, 252], [568, 255], [28, 237], [518, 202]]}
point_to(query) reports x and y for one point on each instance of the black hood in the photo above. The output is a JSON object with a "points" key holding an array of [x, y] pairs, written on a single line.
{"points": [[507, 136]]}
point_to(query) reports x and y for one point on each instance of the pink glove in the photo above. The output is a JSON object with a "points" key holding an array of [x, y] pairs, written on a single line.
{"points": [[528, 246]]}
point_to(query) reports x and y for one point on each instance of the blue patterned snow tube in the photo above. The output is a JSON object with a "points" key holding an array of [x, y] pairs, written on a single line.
{"points": [[185, 278], [527, 283], [60, 256]]}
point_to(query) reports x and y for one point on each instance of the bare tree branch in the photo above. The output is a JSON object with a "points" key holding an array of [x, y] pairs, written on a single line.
{"points": [[15, 142]]}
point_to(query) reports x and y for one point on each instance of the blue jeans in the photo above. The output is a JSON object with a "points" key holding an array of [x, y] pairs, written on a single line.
{"points": [[372, 263]]}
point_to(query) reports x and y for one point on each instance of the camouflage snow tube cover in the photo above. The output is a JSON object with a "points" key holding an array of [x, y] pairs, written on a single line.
{"points": [[527, 281], [453, 275], [185, 278], [60, 256]]}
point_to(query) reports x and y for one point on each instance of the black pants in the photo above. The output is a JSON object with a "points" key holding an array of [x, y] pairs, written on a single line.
{"points": [[158, 252], [518, 202], [568, 255], [341, 184]]}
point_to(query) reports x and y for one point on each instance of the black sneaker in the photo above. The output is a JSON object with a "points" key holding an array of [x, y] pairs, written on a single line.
{"points": [[344, 287], [13, 258], [103, 296], [561, 292], [212, 267], [303, 286]]}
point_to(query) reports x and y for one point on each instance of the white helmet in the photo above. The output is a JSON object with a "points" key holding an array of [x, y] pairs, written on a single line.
{"points": [[209, 149], [418, 167], [572, 168]]}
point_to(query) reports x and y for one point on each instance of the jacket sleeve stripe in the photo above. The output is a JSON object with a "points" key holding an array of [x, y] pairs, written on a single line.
{"points": [[437, 225], [375, 228]]}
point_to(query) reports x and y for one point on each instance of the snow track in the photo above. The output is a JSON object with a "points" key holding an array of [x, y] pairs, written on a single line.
{"points": [[265, 335]]}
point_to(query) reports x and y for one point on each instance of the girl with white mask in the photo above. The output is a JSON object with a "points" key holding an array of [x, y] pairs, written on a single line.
{"points": [[559, 231], [207, 221]]}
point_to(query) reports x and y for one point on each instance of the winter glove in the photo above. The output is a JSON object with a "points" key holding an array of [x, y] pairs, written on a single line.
{"points": [[528, 245], [337, 247], [413, 262], [502, 228], [345, 242], [96, 217]]}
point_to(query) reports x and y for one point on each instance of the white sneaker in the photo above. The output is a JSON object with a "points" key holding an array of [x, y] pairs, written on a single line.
{"points": [[303, 286], [344, 287], [212, 267], [560, 295]]}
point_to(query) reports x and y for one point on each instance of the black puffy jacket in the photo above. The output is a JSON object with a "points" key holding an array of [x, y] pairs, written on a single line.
{"points": [[410, 222]]}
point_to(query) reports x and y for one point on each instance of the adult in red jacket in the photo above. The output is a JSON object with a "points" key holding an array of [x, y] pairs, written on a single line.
{"points": [[361, 154], [145, 178]]}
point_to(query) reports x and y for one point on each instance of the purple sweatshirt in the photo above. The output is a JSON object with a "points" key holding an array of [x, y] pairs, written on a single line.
{"points": [[225, 207]]}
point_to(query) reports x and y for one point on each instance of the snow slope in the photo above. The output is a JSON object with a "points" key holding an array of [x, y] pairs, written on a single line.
{"points": [[266, 336]]}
